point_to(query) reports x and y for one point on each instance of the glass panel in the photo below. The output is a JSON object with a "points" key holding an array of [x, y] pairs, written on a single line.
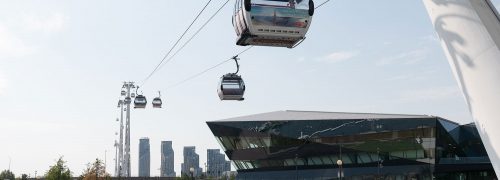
{"points": [[327, 160], [290, 162], [249, 165], [231, 86], [346, 159], [299, 162], [317, 161], [283, 17], [228, 143]]}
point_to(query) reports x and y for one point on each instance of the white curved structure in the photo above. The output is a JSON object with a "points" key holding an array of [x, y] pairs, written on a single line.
{"points": [[469, 31]]}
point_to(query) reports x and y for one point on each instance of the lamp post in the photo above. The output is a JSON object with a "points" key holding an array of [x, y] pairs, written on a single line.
{"points": [[191, 170], [339, 163]]}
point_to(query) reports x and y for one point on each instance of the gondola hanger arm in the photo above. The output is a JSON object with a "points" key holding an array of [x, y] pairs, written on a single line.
{"points": [[237, 64]]}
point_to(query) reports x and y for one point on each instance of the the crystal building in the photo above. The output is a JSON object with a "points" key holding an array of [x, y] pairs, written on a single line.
{"points": [[216, 163], [329, 145], [167, 159], [144, 157], [191, 161]]}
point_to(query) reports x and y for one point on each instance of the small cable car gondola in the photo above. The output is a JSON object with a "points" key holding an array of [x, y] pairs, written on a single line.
{"points": [[231, 85], [278, 23], [120, 102], [140, 100], [123, 93], [128, 100], [157, 101], [132, 95]]}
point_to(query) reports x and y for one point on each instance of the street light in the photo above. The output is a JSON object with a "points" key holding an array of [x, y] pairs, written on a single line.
{"points": [[191, 170], [339, 162]]}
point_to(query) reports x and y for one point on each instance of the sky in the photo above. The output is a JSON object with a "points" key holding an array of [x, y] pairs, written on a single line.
{"points": [[62, 64]]}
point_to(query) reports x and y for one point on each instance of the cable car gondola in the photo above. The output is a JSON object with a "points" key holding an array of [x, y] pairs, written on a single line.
{"points": [[157, 101], [140, 100], [120, 102], [231, 85], [123, 93], [278, 23], [132, 95], [128, 100]]}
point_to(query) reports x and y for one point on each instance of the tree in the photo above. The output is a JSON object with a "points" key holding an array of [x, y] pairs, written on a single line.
{"points": [[7, 174], [93, 169], [59, 171], [24, 177]]}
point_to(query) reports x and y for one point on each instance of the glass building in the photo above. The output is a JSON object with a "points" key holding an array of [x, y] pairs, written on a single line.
{"points": [[167, 159], [191, 160], [329, 145], [216, 163], [144, 157]]}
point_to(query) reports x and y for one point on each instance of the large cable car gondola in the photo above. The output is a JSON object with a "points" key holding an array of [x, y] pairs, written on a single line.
{"points": [[140, 100], [157, 101], [231, 86], [279, 23]]}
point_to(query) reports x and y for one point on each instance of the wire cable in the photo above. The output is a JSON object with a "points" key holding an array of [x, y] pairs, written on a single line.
{"points": [[206, 70], [321, 4], [175, 44], [194, 35]]}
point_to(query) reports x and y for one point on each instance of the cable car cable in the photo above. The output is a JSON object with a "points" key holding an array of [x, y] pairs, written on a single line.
{"points": [[177, 42], [321, 4], [196, 33], [206, 70]]}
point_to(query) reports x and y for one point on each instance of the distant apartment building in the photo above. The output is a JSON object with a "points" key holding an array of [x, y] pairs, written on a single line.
{"points": [[216, 163], [167, 159], [191, 160], [144, 157]]}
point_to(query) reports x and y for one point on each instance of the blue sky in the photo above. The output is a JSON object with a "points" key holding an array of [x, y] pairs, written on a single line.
{"points": [[62, 64]]}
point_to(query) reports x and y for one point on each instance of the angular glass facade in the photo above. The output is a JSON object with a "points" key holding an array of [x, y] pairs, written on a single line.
{"points": [[403, 147]]}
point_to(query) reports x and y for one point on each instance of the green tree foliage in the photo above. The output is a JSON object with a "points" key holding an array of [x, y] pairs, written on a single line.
{"points": [[59, 171], [95, 169], [24, 177], [183, 177], [7, 174]]}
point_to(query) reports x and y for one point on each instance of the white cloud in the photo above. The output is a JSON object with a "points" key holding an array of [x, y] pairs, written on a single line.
{"points": [[410, 57], [386, 43], [430, 94], [339, 56], [432, 38], [54, 22], [3, 84], [12, 46], [32, 126]]}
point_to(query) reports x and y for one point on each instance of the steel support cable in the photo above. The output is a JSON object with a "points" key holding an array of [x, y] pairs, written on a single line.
{"points": [[194, 35], [322, 4], [206, 70], [175, 44]]}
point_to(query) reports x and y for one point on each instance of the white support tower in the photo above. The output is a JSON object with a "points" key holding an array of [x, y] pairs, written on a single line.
{"points": [[122, 166], [126, 161], [119, 144], [469, 32]]}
